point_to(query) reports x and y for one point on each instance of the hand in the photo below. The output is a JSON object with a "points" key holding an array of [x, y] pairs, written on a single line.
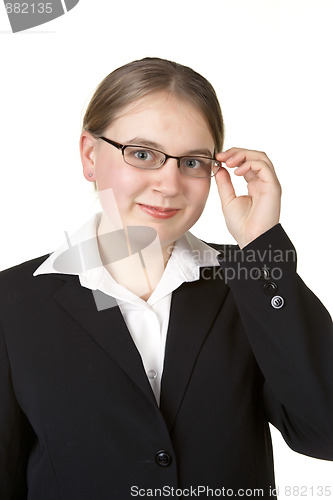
{"points": [[247, 217]]}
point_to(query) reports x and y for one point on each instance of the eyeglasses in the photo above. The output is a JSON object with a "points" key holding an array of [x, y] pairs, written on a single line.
{"points": [[152, 159]]}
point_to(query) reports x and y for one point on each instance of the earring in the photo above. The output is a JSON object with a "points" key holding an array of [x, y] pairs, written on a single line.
{"points": [[90, 175]]}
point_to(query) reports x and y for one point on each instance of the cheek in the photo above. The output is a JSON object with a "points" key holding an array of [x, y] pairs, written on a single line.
{"points": [[112, 174], [116, 191], [198, 195], [126, 183]]}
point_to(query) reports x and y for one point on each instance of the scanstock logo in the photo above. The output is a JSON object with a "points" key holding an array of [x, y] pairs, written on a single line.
{"points": [[25, 15]]}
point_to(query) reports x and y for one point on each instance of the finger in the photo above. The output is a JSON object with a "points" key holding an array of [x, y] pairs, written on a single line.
{"points": [[225, 155], [256, 169], [234, 157], [225, 187], [260, 178]]}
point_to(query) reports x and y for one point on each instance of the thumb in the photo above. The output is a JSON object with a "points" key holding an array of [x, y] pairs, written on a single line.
{"points": [[225, 187]]}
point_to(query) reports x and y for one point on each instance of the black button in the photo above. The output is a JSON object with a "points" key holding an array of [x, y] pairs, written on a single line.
{"points": [[163, 458], [277, 302], [270, 287], [265, 274], [262, 274]]}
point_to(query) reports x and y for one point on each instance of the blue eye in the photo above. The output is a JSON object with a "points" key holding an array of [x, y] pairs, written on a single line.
{"points": [[144, 155], [193, 163]]}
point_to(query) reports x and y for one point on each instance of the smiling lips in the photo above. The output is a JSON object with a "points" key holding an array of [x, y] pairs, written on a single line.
{"points": [[159, 212]]}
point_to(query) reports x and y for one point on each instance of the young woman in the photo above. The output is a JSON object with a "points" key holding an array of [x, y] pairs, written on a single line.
{"points": [[139, 361]]}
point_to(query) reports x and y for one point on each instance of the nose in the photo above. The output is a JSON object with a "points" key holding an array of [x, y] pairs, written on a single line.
{"points": [[168, 179]]}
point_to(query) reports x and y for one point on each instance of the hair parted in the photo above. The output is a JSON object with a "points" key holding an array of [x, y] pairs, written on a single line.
{"points": [[142, 77]]}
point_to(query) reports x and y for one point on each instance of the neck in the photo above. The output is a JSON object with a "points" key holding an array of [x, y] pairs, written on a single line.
{"points": [[137, 270]]}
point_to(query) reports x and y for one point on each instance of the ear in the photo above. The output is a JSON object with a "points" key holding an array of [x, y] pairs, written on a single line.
{"points": [[88, 155]]}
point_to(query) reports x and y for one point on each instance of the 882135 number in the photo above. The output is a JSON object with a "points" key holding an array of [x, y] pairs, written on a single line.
{"points": [[29, 8]]}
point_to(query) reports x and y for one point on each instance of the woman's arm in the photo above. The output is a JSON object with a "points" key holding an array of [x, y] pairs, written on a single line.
{"points": [[291, 335], [289, 330]]}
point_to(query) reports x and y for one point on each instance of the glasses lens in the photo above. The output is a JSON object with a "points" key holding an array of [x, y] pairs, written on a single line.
{"points": [[197, 166], [142, 157]]}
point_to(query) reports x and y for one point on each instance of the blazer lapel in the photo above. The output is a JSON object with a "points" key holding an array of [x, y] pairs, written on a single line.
{"points": [[108, 329], [193, 309]]}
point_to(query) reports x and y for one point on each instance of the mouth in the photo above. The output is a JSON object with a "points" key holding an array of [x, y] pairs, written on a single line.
{"points": [[159, 212]]}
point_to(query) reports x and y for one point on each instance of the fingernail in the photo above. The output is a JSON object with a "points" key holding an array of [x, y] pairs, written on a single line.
{"points": [[230, 160]]}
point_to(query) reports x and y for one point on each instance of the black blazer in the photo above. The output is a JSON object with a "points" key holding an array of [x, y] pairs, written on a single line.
{"points": [[78, 419]]}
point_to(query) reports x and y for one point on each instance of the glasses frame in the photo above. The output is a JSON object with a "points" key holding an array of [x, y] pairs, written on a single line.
{"points": [[122, 148]]}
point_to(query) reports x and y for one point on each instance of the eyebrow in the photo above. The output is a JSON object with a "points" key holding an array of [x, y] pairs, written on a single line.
{"points": [[140, 141]]}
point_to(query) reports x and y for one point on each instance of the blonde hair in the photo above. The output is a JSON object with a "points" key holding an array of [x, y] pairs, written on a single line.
{"points": [[138, 79]]}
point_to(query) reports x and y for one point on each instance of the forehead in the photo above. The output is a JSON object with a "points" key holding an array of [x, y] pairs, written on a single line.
{"points": [[162, 116]]}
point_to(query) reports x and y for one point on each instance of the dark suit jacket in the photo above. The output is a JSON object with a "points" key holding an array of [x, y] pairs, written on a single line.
{"points": [[78, 419]]}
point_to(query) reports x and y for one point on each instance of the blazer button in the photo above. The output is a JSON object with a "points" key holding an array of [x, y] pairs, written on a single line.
{"points": [[277, 302], [262, 274], [270, 287], [163, 458]]}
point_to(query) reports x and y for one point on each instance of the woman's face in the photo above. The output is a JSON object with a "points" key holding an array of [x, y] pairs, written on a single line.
{"points": [[163, 199]]}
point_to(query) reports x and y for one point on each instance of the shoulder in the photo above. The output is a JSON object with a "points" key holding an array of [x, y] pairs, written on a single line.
{"points": [[18, 286], [20, 275], [22, 270]]}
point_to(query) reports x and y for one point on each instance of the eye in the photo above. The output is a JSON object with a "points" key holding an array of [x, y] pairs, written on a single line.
{"points": [[144, 155], [193, 163]]}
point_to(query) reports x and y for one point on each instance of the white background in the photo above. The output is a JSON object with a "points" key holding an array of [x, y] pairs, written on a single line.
{"points": [[270, 62]]}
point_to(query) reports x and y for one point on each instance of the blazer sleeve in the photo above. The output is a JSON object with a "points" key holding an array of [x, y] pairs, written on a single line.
{"points": [[15, 435], [291, 335]]}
